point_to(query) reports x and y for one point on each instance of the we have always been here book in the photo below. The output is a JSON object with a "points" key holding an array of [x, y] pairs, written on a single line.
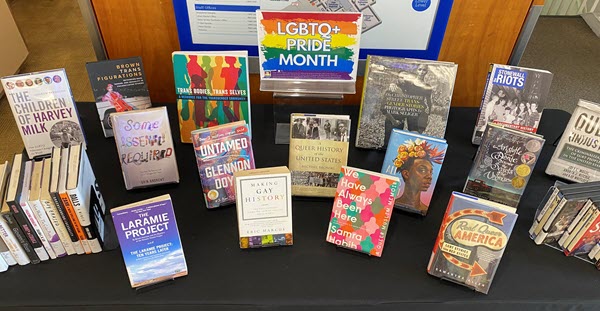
{"points": [[150, 242], [212, 88], [44, 110]]}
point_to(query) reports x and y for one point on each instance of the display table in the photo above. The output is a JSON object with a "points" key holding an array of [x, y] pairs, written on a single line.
{"points": [[312, 273]]}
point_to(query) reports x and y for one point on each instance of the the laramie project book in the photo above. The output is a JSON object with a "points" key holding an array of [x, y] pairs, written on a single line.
{"points": [[318, 150]]}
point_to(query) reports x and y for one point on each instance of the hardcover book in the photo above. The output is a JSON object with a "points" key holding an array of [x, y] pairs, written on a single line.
{"points": [[264, 207], [44, 110], [589, 234], [150, 242], [212, 88], [471, 241], [417, 161], [318, 150], [220, 151], [145, 146], [362, 209], [407, 94], [118, 85], [577, 156], [503, 165], [514, 97]]}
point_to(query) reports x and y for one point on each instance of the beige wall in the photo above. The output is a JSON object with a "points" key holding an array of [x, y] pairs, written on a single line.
{"points": [[13, 51]]}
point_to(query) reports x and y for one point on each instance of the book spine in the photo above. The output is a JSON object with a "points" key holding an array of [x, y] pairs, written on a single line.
{"points": [[67, 222], [569, 251], [5, 253], [3, 264], [47, 228], [38, 229], [58, 225], [565, 236], [82, 212], [15, 228], [12, 243], [594, 251], [476, 139], [64, 198], [28, 230]]}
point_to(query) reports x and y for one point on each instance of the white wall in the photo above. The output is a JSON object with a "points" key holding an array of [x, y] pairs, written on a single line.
{"points": [[13, 51]]}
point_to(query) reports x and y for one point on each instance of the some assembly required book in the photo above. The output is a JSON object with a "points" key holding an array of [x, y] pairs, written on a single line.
{"points": [[264, 207], [44, 110], [150, 242]]}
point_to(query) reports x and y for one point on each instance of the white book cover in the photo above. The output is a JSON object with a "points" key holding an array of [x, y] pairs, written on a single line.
{"points": [[577, 156], [49, 253], [145, 146], [84, 246], [13, 245], [44, 110]]}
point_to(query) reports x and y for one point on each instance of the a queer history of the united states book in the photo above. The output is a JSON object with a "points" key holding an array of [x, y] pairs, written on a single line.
{"points": [[44, 109]]}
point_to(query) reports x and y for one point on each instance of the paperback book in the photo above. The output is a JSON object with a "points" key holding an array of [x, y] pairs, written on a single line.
{"points": [[145, 146], [150, 242], [417, 161], [514, 97], [318, 150], [221, 151], [362, 209], [503, 165], [577, 156], [44, 110], [264, 207], [407, 94], [589, 234], [118, 85], [471, 241], [212, 88]]}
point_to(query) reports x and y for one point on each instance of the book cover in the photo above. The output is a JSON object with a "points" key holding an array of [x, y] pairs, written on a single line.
{"points": [[503, 165], [212, 88], [408, 94], [221, 151], [145, 146], [264, 207], [417, 161], [118, 85], [590, 236], [471, 241], [150, 242], [44, 110], [362, 209], [514, 97], [308, 46], [577, 156], [9, 247], [318, 150]]}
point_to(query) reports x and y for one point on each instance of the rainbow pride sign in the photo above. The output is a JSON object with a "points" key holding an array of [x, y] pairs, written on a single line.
{"points": [[308, 46]]}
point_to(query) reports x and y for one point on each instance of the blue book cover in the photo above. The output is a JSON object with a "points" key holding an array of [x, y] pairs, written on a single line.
{"points": [[150, 243], [417, 160]]}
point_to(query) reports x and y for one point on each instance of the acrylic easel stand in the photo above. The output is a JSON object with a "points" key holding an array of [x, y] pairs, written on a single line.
{"points": [[353, 252], [155, 285]]}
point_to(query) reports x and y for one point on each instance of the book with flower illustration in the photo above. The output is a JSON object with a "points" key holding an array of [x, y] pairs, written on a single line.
{"points": [[220, 151], [417, 160], [362, 209]]}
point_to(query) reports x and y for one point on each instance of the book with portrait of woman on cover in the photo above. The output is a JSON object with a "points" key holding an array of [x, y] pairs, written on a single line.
{"points": [[118, 85], [407, 94], [417, 160]]}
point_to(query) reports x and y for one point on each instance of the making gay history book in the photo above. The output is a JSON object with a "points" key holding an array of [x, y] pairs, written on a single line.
{"points": [[471, 241], [362, 209], [212, 88], [149, 239], [44, 110], [417, 160], [221, 151], [118, 85]]}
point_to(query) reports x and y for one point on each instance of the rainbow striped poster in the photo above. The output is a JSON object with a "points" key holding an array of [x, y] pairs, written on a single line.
{"points": [[308, 46]]}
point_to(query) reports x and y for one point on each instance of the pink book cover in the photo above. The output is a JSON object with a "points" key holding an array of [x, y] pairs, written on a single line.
{"points": [[362, 209]]}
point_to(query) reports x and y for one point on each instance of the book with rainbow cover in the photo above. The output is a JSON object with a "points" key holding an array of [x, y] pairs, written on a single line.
{"points": [[221, 151], [362, 209]]}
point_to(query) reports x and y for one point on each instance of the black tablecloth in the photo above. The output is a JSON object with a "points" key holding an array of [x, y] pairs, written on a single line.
{"points": [[311, 273]]}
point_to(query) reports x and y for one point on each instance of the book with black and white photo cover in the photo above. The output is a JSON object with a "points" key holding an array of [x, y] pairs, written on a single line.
{"points": [[264, 207], [118, 85], [318, 150], [471, 241], [408, 94], [44, 110], [514, 97], [503, 165], [577, 156], [145, 146], [150, 242]]}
